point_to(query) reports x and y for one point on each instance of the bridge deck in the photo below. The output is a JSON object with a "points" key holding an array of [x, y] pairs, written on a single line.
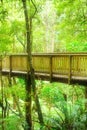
{"points": [[63, 67]]}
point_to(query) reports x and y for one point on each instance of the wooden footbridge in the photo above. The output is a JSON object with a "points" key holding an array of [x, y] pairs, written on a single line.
{"points": [[62, 67]]}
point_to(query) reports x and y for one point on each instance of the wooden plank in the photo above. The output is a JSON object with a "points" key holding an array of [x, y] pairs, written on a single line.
{"points": [[60, 65], [19, 63], [5, 63], [41, 64]]}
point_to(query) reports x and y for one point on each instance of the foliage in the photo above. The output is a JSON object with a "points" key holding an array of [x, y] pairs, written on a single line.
{"points": [[13, 123], [72, 23], [72, 118], [5, 38], [3, 13], [51, 94], [57, 26], [60, 111]]}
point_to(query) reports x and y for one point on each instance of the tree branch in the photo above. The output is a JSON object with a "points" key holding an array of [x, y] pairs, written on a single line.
{"points": [[13, 110], [20, 41], [35, 9], [1, 1]]}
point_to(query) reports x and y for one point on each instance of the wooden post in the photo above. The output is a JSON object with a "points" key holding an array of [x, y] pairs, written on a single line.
{"points": [[69, 74], [10, 69], [28, 103]]}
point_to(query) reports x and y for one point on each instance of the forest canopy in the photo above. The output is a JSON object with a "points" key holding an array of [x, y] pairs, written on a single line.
{"points": [[57, 26]]}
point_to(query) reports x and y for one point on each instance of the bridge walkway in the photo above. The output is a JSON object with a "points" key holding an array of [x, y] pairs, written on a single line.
{"points": [[61, 67]]}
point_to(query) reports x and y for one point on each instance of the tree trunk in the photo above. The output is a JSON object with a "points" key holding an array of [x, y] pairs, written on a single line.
{"points": [[86, 97], [2, 95], [28, 21], [28, 104]]}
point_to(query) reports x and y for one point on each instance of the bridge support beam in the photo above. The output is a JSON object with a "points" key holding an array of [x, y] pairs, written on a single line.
{"points": [[28, 104]]}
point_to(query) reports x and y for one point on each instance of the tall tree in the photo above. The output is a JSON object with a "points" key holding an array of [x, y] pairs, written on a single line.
{"points": [[48, 17], [28, 21]]}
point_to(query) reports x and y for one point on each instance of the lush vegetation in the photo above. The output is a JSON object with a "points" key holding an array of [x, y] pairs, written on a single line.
{"points": [[57, 26]]}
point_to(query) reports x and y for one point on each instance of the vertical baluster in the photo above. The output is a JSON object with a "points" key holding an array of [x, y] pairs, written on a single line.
{"points": [[62, 64], [81, 61], [66, 64], [72, 66], [84, 66], [76, 65], [57, 64], [50, 68], [81, 65]]}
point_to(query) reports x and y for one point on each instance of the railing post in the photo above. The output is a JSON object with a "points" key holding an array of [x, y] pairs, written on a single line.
{"points": [[69, 74], [10, 68], [50, 68]]}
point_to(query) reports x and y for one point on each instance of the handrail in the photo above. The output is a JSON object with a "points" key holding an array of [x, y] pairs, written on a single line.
{"points": [[46, 54]]}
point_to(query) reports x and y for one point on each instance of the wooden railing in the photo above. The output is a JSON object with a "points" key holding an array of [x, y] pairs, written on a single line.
{"points": [[62, 65]]}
